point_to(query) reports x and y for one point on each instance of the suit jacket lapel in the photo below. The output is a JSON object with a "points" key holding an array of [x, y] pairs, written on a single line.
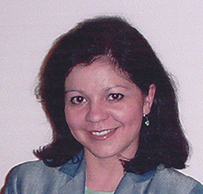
{"points": [[133, 183], [75, 170], [76, 185]]}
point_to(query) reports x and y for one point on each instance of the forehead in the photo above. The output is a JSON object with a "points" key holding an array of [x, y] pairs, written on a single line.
{"points": [[100, 70]]}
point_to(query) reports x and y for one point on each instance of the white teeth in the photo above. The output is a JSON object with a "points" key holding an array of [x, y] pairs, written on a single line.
{"points": [[102, 132]]}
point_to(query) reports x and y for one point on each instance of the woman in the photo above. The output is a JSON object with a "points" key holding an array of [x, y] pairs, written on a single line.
{"points": [[114, 115]]}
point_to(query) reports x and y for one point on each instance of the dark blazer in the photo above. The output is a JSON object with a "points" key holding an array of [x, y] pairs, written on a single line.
{"points": [[36, 178]]}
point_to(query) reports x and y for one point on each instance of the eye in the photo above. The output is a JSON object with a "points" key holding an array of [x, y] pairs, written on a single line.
{"points": [[77, 100], [115, 97]]}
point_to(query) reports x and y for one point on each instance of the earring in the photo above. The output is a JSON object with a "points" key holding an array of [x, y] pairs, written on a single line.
{"points": [[146, 120]]}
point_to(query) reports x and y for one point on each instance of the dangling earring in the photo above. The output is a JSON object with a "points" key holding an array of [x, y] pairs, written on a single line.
{"points": [[146, 120]]}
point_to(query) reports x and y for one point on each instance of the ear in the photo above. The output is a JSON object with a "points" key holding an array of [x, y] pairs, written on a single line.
{"points": [[148, 101]]}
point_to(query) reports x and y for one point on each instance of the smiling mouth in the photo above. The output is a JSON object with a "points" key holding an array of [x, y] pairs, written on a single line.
{"points": [[102, 133]]}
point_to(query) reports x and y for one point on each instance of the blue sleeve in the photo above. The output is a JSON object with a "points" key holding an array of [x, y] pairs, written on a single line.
{"points": [[198, 189], [11, 184]]}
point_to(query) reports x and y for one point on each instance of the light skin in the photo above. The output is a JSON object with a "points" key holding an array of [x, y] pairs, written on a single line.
{"points": [[104, 111]]}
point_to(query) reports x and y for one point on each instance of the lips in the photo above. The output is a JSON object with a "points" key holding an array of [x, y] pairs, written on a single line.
{"points": [[100, 133], [104, 134]]}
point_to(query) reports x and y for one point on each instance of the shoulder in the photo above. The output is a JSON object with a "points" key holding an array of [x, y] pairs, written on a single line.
{"points": [[34, 176], [33, 169], [171, 180]]}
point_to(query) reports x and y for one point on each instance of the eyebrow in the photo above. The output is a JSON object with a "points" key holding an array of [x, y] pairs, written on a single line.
{"points": [[73, 90], [106, 89], [117, 86]]}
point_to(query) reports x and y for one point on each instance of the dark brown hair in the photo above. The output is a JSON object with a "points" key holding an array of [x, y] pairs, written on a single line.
{"points": [[163, 142]]}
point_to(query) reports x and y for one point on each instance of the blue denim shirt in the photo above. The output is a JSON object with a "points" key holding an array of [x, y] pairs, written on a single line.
{"points": [[36, 178]]}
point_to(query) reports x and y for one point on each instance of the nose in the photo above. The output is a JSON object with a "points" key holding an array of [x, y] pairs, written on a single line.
{"points": [[96, 113]]}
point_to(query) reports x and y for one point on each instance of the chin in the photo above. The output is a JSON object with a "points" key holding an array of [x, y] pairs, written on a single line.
{"points": [[103, 154]]}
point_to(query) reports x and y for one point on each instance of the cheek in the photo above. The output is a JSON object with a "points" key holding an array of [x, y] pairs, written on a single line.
{"points": [[131, 120], [72, 118], [130, 113], [73, 123]]}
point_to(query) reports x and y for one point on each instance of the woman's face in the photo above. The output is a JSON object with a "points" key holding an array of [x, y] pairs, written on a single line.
{"points": [[104, 109]]}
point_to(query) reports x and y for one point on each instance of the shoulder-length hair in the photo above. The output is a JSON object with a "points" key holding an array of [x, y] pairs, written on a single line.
{"points": [[163, 142]]}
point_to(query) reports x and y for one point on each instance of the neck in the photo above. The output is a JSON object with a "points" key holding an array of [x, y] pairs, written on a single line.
{"points": [[103, 174]]}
